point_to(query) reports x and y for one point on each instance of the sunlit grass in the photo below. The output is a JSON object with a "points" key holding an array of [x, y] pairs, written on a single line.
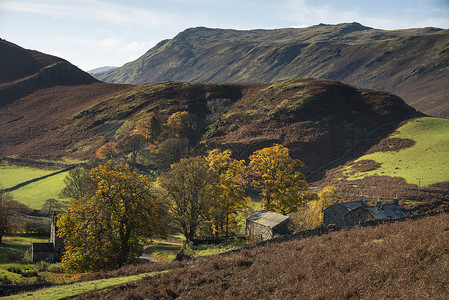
{"points": [[35, 194], [426, 162], [76, 289], [11, 175]]}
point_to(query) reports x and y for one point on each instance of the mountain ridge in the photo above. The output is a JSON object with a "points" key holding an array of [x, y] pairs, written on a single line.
{"points": [[413, 63]]}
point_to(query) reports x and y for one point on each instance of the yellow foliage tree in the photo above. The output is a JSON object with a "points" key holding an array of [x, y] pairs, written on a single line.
{"points": [[105, 229], [274, 175], [231, 184], [181, 124], [149, 126], [311, 215]]}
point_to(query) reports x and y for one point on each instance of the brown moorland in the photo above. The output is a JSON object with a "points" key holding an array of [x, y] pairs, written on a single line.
{"points": [[317, 119], [403, 260]]}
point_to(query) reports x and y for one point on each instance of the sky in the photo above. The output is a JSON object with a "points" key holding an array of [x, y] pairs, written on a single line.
{"points": [[96, 33]]}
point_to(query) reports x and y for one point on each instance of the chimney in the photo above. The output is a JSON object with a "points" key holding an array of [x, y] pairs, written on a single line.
{"points": [[362, 199], [396, 201]]}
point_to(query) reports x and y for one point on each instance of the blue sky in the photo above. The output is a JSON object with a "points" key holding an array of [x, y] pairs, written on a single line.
{"points": [[95, 33]]}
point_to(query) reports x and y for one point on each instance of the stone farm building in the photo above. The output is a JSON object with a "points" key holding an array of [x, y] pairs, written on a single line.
{"points": [[51, 251], [264, 225], [349, 214]]}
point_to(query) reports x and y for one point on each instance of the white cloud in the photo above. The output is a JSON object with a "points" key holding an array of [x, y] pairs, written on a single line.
{"points": [[121, 47], [93, 10], [304, 14]]}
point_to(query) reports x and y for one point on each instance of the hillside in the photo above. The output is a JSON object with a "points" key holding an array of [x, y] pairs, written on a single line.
{"points": [[25, 71], [412, 63], [406, 260], [317, 119]]}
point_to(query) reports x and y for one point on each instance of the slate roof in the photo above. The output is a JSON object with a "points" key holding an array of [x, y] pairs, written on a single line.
{"points": [[390, 210], [352, 205], [267, 218], [385, 211]]}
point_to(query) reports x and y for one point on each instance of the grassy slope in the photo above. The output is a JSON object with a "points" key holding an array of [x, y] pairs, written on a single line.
{"points": [[35, 194], [11, 251], [428, 159], [11, 175]]}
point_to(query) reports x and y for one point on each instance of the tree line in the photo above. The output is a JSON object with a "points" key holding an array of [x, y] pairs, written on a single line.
{"points": [[115, 207]]}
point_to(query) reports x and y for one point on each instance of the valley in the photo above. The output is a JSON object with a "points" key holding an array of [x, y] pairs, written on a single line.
{"points": [[356, 109]]}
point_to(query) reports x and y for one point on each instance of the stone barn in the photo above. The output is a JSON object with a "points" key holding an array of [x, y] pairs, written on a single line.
{"points": [[264, 225], [349, 214], [51, 251]]}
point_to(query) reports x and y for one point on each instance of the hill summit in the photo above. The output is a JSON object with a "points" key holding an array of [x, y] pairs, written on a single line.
{"points": [[411, 63]]}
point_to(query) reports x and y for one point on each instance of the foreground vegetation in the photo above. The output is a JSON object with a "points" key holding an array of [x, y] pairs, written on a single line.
{"points": [[425, 163], [405, 260], [73, 290]]}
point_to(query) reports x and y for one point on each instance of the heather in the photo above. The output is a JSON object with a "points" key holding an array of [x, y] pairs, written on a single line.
{"points": [[406, 260]]}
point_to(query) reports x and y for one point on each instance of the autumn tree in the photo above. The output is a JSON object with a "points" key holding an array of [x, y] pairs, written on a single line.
{"points": [[107, 151], [190, 191], [150, 127], [311, 214], [231, 183], [170, 151], [181, 124], [105, 228], [131, 145], [274, 173]]}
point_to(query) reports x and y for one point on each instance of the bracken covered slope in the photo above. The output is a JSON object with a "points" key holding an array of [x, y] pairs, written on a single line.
{"points": [[317, 119], [406, 260], [412, 63]]}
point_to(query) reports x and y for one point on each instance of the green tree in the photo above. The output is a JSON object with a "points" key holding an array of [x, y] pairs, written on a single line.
{"points": [[5, 212], [105, 228], [78, 183], [231, 183], [274, 173], [190, 191], [52, 205]]}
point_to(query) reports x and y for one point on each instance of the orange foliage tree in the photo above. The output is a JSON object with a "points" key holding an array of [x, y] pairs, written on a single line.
{"points": [[106, 228], [274, 174], [107, 151]]}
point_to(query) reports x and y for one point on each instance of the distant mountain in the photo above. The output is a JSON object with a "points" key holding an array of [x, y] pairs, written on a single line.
{"points": [[412, 63], [101, 69]]}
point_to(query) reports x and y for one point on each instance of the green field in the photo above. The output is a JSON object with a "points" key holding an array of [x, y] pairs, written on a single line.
{"points": [[11, 175], [12, 251], [426, 162], [35, 194], [76, 289]]}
